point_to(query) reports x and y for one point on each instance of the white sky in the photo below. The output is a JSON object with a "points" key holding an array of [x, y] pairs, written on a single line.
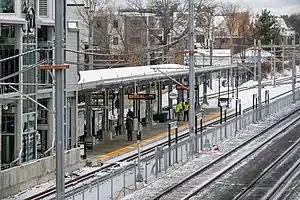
{"points": [[278, 7]]}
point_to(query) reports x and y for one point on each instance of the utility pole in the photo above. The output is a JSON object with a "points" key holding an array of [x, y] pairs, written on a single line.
{"points": [[255, 61], [231, 62], [259, 79], [211, 50], [148, 43], [59, 100], [294, 70], [283, 52], [191, 74], [91, 33], [272, 62]]}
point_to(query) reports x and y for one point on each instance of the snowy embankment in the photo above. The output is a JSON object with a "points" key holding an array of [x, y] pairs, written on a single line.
{"points": [[180, 172]]}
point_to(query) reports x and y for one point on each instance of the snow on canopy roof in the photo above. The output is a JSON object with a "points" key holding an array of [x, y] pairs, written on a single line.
{"points": [[126, 72]]}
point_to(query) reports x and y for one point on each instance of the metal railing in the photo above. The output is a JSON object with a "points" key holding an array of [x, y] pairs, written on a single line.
{"points": [[119, 181]]}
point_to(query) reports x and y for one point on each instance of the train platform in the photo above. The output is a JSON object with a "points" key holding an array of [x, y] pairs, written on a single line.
{"points": [[108, 149]]}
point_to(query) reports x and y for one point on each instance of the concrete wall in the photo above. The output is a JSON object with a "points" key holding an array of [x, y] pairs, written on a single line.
{"points": [[19, 178]]}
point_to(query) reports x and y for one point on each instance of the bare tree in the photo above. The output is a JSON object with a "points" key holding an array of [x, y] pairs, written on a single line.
{"points": [[204, 19], [229, 12], [169, 16]]}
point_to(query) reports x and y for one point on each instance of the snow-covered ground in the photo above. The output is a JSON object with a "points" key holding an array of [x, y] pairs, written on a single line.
{"points": [[154, 188], [244, 95]]}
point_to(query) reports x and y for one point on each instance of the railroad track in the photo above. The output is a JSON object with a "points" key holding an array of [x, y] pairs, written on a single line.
{"points": [[201, 179], [91, 175], [288, 162]]}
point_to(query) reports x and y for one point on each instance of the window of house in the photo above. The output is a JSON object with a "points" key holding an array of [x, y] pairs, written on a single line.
{"points": [[7, 6], [116, 24], [115, 41], [73, 24], [43, 8], [199, 38]]}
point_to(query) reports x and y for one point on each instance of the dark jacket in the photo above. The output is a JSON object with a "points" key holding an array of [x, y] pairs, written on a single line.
{"points": [[130, 114], [129, 124]]}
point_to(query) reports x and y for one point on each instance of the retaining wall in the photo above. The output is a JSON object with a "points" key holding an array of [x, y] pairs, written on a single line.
{"points": [[17, 179]]}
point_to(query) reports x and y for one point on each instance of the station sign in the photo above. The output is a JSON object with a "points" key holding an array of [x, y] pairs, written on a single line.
{"points": [[223, 102], [96, 107], [142, 96], [185, 87], [199, 115], [173, 125]]}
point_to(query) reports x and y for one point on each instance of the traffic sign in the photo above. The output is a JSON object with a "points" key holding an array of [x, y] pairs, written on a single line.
{"points": [[185, 87], [142, 96]]}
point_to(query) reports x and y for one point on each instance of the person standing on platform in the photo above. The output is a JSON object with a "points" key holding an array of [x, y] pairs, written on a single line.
{"points": [[129, 128], [178, 110], [130, 114], [186, 111]]}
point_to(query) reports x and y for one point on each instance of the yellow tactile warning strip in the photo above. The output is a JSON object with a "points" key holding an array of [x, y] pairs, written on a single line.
{"points": [[158, 136]]}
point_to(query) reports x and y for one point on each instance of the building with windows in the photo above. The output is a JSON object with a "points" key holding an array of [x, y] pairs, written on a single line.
{"points": [[27, 129]]}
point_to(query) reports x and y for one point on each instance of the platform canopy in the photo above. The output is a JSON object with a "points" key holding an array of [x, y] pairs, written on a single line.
{"points": [[91, 79]]}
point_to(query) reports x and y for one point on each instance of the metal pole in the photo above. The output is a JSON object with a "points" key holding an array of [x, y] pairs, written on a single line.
{"points": [[271, 51], [191, 73], [211, 58], [259, 79], [274, 66], [236, 116], [231, 62], [59, 101], [90, 39], [294, 72], [148, 43], [228, 85], [237, 82], [139, 177], [219, 88], [225, 120], [255, 62]]}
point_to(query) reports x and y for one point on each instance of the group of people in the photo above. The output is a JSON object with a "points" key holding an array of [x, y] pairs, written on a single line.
{"points": [[185, 107]]}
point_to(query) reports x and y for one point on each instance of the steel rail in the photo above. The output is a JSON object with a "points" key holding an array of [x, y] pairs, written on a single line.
{"points": [[226, 155], [268, 170], [130, 158], [277, 188]]}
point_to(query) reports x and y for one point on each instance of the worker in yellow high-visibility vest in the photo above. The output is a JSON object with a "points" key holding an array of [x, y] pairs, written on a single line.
{"points": [[178, 110], [186, 111]]}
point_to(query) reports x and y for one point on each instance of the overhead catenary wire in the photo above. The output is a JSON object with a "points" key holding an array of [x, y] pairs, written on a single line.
{"points": [[130, 53], [23, 70]]}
